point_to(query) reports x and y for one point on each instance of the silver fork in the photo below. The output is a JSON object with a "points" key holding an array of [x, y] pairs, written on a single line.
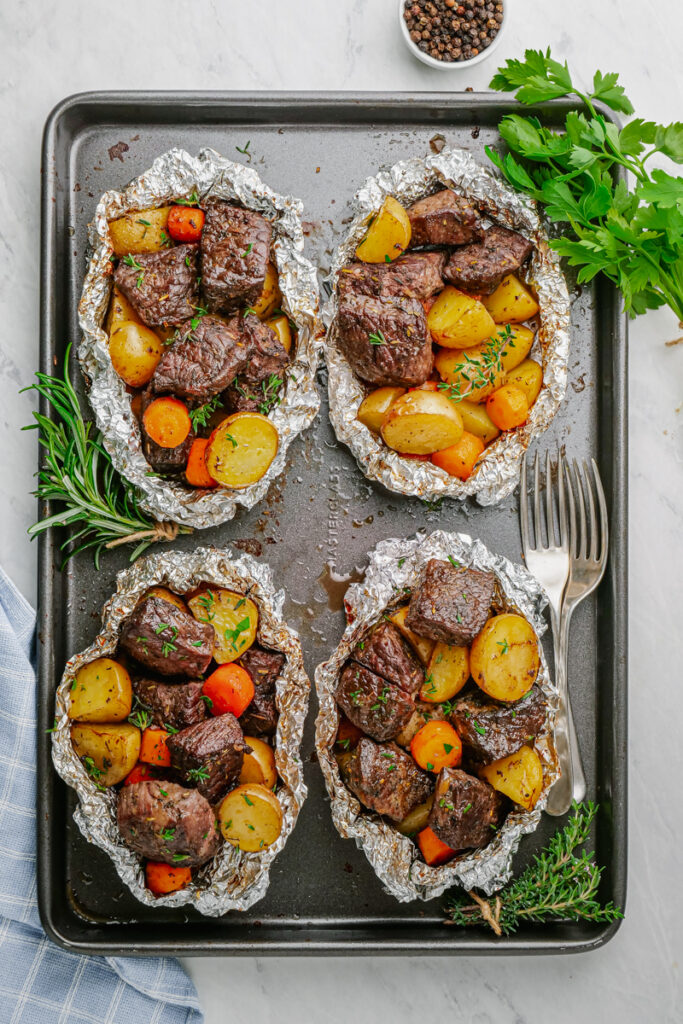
{"points": [[549, 563]]}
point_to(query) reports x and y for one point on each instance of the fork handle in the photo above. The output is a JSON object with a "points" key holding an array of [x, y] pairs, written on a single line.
{"points": [[572, 783]]}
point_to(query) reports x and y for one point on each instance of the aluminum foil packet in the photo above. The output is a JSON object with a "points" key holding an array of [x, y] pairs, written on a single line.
{"points": [[498, 469], [395, 567], [233, 880], [175, 176]]}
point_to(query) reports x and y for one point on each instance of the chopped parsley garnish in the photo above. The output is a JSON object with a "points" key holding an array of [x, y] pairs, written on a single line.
{"points": [[207, 700], [401, 562], [454, 562], [232, 635], [504, 646], [466, 808], [377, 338], [244, 150], [167, 834], [247, 250], [247, 800], [479, 728], [197, 774]]}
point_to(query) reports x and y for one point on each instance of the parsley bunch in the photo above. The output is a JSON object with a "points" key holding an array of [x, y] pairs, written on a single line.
{"points": [[633, 236]]}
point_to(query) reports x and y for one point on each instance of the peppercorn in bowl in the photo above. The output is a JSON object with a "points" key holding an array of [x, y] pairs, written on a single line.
{"points": [[447, 34]]}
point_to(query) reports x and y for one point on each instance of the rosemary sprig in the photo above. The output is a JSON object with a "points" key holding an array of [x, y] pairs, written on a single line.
{"points": [[559, 884], [79, 474]]}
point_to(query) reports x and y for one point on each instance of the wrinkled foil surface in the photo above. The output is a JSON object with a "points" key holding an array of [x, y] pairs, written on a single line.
{"points": [[394, 857], [174, 176], [233, 880], [498, 469]]}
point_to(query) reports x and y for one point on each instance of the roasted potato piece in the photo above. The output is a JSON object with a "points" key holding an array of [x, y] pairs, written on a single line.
{"points": [[270, 297], [422, 422], [259, 766], [471, 371], [511, 302], [416, 820], [250, 817], [518, 776], [120, 311], [108, 751], [101, 692], [529, 377], [233, 616], [504, 658], [422, 645], [241, 449], [447, 672], [166, 595], [456, 320], [388, 234], [135, 351], [477, 421], [283, 328], [375, 406], [140, 231]]}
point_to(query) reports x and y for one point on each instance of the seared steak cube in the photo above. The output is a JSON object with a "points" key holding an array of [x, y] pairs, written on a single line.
{"points": [[167, 639], [163, 460], [416, 275], [205, 359], [466, 810], [490, 730], [210, 755], [387, 654], [174, 704], [386, 779], [161, 286], [386, 341], [451, 604], [260, 718], [444, 219], [235, 252], [377, 707], [263, 666], [262, 378], [481, 267], [164, 821]]}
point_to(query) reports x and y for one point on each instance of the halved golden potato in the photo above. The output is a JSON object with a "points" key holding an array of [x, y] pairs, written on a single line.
{"points": [[477, 421], [416, 820], [388, 235], [259, 766], [101, 692], [511, 302], [282, 327], [108, 751], [422, 645], [456, 320], [529, 377], [135, 351], [375, 406], [518, 776], [140, 231], [447, 672], [233, 616], [270, 296], [474, 373], [422, 422], [250, 817], [166, 595], [241, 449], [120, 310], [504, 657]]}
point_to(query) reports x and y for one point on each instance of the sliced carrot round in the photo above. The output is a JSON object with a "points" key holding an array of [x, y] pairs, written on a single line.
{"points": [[432, 849], [164, 878], [167, 422], [508, 407], [185, 223], [153, 749], [229, 688], [435, 746], [460, 459], [196, 472]]}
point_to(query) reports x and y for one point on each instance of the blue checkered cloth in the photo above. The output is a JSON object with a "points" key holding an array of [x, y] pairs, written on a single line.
{"points": [[39, 983]]}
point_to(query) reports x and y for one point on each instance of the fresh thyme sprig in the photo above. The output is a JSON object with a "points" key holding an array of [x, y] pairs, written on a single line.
{"points": [[201, 416], [482, 370], [78, 474], [559, 884]]}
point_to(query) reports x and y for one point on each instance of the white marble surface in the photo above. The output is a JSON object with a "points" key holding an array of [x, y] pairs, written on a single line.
{"points": [[50, 49]]}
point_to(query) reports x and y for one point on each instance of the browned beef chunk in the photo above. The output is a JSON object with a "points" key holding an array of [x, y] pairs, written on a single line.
{"points": [[256, 387], [260, 718], [204, 360], [489, 730], [209, 755], [263, 666], [417, 275], [174, 704], [386, 341], [164, 821], [481, 267], [167, 639], [466, 810], [452, 603], [163, 460], [235, 252], [444, 219], [370, 702], [161, 286], [387, 654], [386, 779]]}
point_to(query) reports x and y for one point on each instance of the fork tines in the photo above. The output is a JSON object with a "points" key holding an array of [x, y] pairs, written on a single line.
{"points": [[550, 528]]}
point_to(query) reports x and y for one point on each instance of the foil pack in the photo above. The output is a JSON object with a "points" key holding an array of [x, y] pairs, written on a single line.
{"points": [[498, 469], [394, 568], [233, 880], [174, 176]]}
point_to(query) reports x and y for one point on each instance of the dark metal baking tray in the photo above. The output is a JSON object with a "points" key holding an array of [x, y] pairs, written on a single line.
{"points": [[323, 896]]}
